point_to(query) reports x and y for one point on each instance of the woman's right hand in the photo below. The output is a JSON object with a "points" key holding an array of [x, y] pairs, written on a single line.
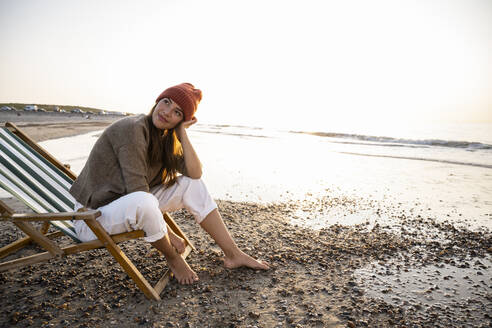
{"points": [[181, 128]]}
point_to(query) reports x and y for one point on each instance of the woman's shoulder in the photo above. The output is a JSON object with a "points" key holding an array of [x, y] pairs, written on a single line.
{"points": [[129, 123], [129, 127], [133, 120]]}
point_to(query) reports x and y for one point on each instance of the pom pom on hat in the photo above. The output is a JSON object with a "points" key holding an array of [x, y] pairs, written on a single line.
{"points": [[186, 96]]}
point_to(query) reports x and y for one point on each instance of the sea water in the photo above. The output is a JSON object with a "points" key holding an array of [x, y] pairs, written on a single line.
{"points": [[443, 169]]}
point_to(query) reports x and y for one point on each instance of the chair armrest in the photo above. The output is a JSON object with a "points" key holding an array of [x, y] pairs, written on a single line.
{"points": [[62, 216]]}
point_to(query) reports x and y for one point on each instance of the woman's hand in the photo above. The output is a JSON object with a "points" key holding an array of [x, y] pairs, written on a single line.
{"points": [[180, 129]]}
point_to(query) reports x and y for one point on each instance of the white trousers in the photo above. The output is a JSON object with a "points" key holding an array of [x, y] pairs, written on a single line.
{"points": [[142, 211]]}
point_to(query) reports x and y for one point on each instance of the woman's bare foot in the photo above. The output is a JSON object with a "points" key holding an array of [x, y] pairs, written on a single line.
{"points": [[177, 242], [181, 270], [243, 259]]}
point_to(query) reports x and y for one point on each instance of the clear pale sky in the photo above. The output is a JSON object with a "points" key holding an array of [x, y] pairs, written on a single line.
{"points": [[296, 63]]}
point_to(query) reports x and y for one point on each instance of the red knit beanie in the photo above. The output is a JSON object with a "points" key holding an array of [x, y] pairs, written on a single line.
{"points": [[186, 96]]}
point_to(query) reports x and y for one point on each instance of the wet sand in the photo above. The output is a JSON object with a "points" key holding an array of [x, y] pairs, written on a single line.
{"points": [[419, 272]]}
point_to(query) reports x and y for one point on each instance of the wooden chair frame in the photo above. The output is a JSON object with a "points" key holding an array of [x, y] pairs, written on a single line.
{"points": [[45, 240]]}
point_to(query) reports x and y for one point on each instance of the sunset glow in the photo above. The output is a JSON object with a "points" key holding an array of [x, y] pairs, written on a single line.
{"points": [[295, 64]]}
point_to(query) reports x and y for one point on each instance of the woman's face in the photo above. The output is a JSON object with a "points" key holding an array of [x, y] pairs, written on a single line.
{"points": [[167, 114]]}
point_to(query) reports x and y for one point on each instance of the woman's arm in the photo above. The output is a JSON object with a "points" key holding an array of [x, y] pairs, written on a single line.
{"points": [[192, 162]]}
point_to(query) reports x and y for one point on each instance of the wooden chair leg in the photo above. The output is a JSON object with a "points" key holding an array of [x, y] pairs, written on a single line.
{"points": [[27, 260], [15, 246], [39, 238], [122, 259], [44, 229], [170, 222], [23, 242], [72, 249]]}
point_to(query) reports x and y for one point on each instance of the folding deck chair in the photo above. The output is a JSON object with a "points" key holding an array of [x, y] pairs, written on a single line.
{"points": [[32, 175]]}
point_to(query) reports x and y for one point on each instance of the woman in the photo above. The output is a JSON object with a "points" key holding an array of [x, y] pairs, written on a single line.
{"points": [[131, 175]]}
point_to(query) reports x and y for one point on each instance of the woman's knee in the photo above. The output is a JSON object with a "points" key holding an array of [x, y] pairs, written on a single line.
{"points": [[144, 200], [184, 181], [190, 184], [148, 216], [145, 208], [197, 199]]}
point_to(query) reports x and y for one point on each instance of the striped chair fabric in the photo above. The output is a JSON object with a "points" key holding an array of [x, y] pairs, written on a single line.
{"points": [[31, 178]]}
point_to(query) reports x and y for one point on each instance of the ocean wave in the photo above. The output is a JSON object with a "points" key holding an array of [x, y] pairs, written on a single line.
{"points": [[471, 145], [421, 159], [232, 134]]}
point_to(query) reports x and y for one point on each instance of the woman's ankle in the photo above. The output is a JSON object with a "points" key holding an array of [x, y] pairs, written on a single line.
{"points": [[233, 252]]}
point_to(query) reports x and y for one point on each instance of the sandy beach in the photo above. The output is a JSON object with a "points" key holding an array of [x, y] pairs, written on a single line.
{"points": [[360, 275], [48, 125]]}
